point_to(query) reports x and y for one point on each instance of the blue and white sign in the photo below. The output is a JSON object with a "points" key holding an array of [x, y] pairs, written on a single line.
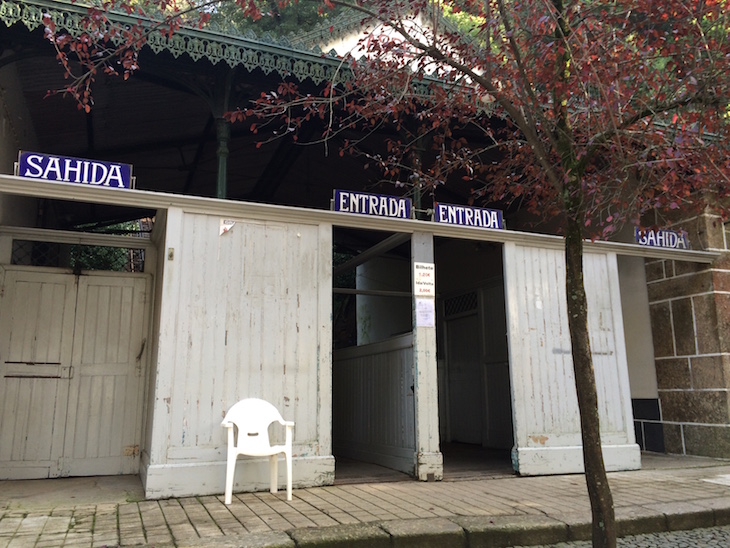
{"points": [[49, 167], [378, 205], [468, 216], [673, 239]]}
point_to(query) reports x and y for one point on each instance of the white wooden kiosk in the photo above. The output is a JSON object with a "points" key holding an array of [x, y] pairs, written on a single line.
{"points": [[239, 305]]}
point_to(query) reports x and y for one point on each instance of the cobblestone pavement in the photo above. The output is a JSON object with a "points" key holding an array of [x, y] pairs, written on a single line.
{"points": [[694, 538], [677, 498]]}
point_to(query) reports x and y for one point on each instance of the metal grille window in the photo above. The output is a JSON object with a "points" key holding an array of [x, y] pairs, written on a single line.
{"points": [[77, 256], [460, 304]]}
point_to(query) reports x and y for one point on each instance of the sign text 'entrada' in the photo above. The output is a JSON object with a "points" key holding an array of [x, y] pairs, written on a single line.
{"points": [[468, 216], [372, 204], [49, 167], [380, 205]]}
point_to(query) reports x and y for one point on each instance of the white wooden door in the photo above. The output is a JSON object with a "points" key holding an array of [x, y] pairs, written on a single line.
{"points": [[103, 424], [72, 357], [466, 394], [479, 397], [498, 405], [36, 336]]}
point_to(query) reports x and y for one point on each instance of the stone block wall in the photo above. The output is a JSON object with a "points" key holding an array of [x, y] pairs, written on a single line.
{"points": [[690, 316]]}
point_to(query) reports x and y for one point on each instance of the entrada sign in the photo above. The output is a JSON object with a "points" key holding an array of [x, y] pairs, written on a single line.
{"points": [[468, 216], [66, 169], [372, 204], [661, 238]]}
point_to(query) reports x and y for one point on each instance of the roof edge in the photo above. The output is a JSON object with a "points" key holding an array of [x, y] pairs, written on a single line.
{"points": [[216, 47]]}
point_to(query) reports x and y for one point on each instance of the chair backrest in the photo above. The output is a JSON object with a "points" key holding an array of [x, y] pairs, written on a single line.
{"points": [[253, 417]]}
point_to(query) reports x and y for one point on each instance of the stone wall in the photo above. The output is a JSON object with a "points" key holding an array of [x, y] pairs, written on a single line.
{"points": [[690, 316]]}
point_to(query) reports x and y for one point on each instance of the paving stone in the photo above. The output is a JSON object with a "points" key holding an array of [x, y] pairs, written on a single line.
{"points": [[105, 542], [56, 525], [32, 523], [501, 531], [425, 533], [258, 540], [53, 537], [579, 524], [675, 494], [342, 536], [685, 515], [9, 525], [636, 519], [720, 508]]}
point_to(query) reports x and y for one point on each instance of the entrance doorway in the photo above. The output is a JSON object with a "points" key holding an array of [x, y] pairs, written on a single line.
{"points": [[373, 409], [475, 401], [72, 367]]}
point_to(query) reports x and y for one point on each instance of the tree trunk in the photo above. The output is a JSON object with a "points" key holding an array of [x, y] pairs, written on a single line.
{"points": [[599, 492]]}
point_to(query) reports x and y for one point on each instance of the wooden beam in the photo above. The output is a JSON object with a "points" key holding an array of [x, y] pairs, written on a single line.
{"points": [[376, 251]]}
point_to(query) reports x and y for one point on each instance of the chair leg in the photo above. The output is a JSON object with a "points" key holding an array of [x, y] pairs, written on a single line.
{"points": [[288, 476], [230, 471], [274, 468]]}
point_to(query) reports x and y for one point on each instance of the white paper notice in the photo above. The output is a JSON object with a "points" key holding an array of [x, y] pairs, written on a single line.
{"points": [[226, 225], [424, 279], [425, 313]]}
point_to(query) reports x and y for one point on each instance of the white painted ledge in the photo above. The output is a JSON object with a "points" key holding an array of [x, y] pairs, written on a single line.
{"points": [[252, 474], [540, 461]]}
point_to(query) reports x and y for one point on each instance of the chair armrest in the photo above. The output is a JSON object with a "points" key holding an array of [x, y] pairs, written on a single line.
{"points": [[227, 424], [286, 423]]}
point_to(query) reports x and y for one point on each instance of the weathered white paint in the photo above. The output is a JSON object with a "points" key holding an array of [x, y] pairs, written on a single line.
{"points": [[71, 237], [72, 366], [155, 262], [105, 405], [246, 210], [429, 459], [547, 426], [373, 407], [190, 337], [243, 314], [36, 337]]}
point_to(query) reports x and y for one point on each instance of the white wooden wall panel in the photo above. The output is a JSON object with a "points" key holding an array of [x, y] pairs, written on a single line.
{"points": [[606, 329], [373, 403], [247, 325], [542, 338], [547, 425]]}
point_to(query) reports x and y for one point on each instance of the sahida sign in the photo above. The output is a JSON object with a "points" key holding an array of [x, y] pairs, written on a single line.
{"points": [[661, 238], [49, 167], [372, 204], [468, 216]]}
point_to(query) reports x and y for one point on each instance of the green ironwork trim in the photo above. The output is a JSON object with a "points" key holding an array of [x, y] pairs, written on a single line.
{"points": [[247, 52], [269, 54]]}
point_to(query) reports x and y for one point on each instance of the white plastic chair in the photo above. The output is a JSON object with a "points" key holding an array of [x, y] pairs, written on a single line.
{"points": [[252, 417]]}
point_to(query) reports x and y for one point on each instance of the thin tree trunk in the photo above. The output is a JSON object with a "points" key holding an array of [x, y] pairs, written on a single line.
{"points": [[599, 492]]}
